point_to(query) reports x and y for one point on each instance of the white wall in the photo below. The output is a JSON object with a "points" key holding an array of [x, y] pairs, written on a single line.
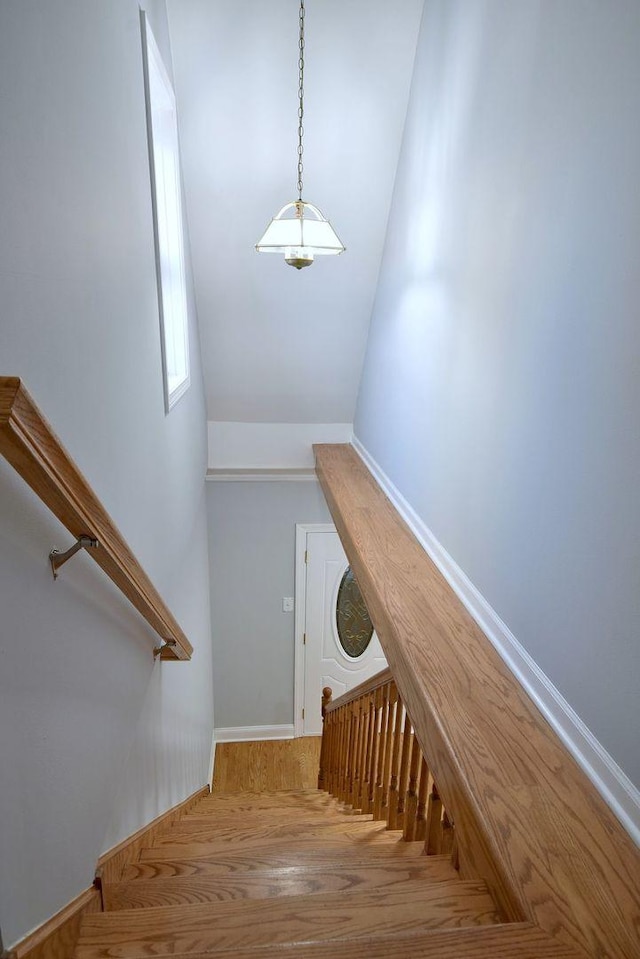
{"points": [[95, 738], [252, 558], [282, 345], [501, 386], [271, 445]]}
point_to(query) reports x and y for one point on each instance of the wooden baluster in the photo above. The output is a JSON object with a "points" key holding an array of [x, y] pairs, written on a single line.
{"points": [[362, 748], [344, 776], [388, 749], [382, 739], [377, 712], [337, 754], [421, 819], [446, 845], [348, 723], [342, 752], [365, 802], [411, 805], [355, 756], [403, 778], [353, 735], [327, 692], [362, 755], [364, 736], [353, 747], [333, 751], [344, 785], [325, 757], [392, 816], [455, 854], [434, 828], [325, 752]]}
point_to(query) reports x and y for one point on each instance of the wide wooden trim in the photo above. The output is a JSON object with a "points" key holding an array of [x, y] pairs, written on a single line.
{"points": [[112, 863], [527, 818], [56, 938], [28, 442]]}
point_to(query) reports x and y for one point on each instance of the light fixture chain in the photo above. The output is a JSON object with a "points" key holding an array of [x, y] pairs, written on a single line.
{"points": [[301, 100], [299, 230]]}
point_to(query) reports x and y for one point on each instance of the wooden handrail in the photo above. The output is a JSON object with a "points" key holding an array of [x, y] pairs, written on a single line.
{"points": [[30, 445], [527, 819], [368, 686]]}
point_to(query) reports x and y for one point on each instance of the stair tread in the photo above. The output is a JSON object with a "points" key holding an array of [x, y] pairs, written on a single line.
{"points": [[301, 857], [341, 877], [298, 848], [162, 930], [296, 800], [247, 806], [215, 833], [272, 813], [512, 941], [281, 795]]}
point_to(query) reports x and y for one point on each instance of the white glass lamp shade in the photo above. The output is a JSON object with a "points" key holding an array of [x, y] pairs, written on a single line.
{"points": [[300, 232]]}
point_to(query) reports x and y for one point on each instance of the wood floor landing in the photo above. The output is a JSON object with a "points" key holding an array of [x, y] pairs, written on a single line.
{"points": [[261, 766]]}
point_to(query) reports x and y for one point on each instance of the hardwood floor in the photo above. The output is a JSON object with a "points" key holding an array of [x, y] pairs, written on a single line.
{"points": [[267, 766]]}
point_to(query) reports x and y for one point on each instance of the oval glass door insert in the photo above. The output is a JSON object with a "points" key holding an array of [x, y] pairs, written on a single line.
{"points": [[353, 622]]}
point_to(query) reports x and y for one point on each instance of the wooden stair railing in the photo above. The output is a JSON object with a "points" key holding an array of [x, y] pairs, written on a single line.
{"points": [[371, 760], [30, 445], [528, 821]]}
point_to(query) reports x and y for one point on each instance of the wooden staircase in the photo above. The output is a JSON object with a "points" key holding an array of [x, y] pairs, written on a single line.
{"points": [[486, 839], [290, 873]]}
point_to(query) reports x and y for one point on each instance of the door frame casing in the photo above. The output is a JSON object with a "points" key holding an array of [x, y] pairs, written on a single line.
{"points": [[300, 607]]}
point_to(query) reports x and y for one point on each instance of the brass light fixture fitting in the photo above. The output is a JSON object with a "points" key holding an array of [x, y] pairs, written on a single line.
{"points": [[299, 230]]}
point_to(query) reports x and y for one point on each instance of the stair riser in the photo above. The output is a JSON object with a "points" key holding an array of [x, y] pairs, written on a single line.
{"points": [[279, 851], [182, 891], [233, 816], [240, 833], [238, 862]]}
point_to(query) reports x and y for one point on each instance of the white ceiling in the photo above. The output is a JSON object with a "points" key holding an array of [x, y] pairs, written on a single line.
{"points": [[282, 345]]}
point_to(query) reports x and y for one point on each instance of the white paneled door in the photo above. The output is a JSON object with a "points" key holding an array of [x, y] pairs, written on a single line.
{"points": [[335, 628]]}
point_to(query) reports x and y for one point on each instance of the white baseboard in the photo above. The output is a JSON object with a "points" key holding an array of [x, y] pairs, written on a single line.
{"points": [[248, 734], [612, 783]]}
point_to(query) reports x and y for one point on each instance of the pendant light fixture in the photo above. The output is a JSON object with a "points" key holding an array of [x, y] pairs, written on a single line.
{"points": [[299, 230]]}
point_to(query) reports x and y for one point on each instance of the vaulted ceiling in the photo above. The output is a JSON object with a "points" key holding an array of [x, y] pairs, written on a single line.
{"points": [[281, 345]]}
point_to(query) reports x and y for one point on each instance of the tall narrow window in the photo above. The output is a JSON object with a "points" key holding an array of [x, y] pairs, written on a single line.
{"points": [[162, 130]]}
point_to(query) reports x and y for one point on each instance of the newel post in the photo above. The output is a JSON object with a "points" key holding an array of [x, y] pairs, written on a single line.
{"points": [[327, 693]]}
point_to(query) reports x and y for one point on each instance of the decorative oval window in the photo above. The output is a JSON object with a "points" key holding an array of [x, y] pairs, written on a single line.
{"points": [[355, 628]]}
